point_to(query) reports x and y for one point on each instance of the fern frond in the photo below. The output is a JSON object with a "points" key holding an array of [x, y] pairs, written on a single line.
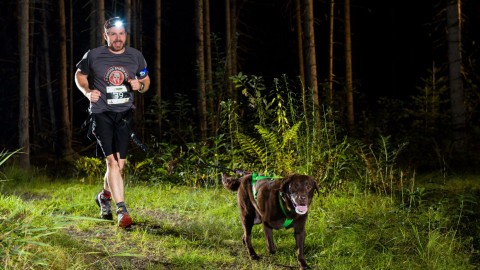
{"points": [[251, 147], [269, 137], [291, 135]]}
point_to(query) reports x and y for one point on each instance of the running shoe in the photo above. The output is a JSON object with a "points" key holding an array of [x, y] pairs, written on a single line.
{"points": [[124, 219], [104, 204]]}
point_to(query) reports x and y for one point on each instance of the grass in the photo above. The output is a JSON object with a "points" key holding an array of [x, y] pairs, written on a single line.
{"points": [[52, 224]]}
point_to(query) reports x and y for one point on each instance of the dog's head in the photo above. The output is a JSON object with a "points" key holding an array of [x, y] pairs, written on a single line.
{"points": [[299, 189]]}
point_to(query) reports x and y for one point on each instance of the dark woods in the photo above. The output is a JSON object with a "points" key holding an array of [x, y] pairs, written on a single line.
{"points": [[229, 74]]}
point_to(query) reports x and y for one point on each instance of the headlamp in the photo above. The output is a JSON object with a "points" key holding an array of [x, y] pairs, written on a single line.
{"points": [[118, 23], [113, 22]]}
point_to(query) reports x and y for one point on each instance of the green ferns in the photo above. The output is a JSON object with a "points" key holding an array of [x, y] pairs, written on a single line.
{"points": [[274, 151]]}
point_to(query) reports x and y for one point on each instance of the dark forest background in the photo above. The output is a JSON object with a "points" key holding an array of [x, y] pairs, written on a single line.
{"points": [[399, 52]]}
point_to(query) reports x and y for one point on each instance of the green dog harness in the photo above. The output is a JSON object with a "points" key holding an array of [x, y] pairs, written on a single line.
{"points": [[255, 178]]}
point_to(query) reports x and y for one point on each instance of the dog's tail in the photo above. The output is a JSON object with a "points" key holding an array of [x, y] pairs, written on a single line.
{"points": [[231, 183]]}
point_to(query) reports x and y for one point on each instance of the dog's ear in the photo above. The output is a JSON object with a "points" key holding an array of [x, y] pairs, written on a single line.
{"points": [[315, 185], [285, 181]]}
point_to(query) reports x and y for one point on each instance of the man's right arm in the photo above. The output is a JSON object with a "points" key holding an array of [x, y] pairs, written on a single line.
{"points": [[81, 80]]}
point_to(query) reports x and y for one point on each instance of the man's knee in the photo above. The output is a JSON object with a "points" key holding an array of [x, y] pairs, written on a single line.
{"points": [[112, 163], [121, 165], [115, 163]]}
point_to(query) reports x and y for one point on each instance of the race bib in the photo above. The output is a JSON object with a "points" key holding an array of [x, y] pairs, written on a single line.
{"points": [[117, 94]]}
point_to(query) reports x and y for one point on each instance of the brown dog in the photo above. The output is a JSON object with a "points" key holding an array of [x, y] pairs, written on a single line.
{"points": [[278, 203]]}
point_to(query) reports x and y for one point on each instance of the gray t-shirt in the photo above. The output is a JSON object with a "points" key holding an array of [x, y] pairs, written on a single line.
{"points": [[109, 73]]}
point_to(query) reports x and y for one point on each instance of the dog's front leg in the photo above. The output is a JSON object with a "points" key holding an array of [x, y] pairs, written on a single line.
{"points": [[300, 241], [269, 239]]}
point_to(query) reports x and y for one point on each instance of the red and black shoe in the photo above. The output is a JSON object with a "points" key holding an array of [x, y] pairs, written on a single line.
{"points": [[124, 219]]}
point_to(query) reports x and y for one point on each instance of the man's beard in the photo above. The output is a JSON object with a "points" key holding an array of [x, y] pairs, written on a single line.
{"points": [[115, 48]]}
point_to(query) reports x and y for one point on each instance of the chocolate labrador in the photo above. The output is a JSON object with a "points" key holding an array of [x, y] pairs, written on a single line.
{"points": [[277, 204]]}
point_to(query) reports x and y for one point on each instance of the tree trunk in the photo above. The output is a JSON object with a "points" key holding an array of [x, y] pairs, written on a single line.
{"points": [[330, 52], [208, 71], [48, 75], [348, 67], [100, 20], [158, 62], [38, 99], [228, 56], [36, 117], [301, 62], [457, 98], [128, 19], [71, 64], [298, 20], [63, 87], [200, 59], [93, 21], [24, 115], [233, 32], [311, 65]]}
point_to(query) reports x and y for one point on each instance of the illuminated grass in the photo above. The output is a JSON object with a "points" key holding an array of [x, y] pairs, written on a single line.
{"points": [[177, 227]]}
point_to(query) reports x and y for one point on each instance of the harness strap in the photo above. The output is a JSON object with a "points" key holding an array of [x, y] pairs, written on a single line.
{"points": [[255, 178], [288, 221]]}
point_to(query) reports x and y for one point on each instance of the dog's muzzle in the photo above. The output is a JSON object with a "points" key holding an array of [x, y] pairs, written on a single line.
{"points": [[300, 203]]}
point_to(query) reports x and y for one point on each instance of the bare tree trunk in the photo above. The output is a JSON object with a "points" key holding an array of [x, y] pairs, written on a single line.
{"points": [[93, 24], [48, 75], [71, 65], [209, 73], [348, 66], [228, 56], [200, 59], [233, 24], [63, 87], [330, 52], [24, 115], [36, 117], [158, 61], [128, 19], [298, 20], [38, 98], [301, 62], [457, 98], [311, 65], [100, 20]]}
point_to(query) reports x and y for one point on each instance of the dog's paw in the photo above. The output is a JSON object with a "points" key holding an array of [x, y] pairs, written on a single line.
{"points": [[302, 264], [254, 257]]}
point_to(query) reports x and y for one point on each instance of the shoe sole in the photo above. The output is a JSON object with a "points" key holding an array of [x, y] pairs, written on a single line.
{"points": [[108, 216]]}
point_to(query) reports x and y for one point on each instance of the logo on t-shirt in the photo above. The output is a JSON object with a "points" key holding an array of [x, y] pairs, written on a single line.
{"points": [[116, 76]]}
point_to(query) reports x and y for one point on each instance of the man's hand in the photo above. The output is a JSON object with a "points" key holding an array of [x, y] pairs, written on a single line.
{"points": [[135, 84], [93, 95]]}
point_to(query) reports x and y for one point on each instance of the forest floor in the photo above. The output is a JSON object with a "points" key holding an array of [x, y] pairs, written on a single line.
{"points": [[52, 224]]}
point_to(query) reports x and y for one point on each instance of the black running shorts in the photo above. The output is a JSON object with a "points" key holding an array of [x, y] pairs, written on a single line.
{"points": [[112, 130]]}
